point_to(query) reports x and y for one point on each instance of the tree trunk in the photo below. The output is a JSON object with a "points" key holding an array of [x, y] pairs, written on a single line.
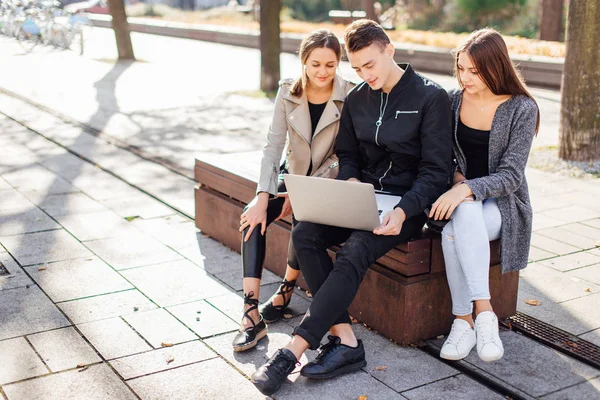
{"points": [[270, 46], [368, 6], [121, 28], [551, 20], [580, 110]]}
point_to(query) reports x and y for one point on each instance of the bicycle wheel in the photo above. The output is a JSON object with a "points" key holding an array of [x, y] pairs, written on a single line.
{"points": [[26, 40]]}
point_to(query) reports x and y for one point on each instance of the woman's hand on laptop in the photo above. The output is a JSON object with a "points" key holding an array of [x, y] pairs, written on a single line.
{"points": [[255, 214], [286, 209], [392, 223]]}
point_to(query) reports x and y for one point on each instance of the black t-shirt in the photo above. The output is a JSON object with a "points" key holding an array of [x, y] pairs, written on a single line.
{"points": [[316, 110], [475, 145]]}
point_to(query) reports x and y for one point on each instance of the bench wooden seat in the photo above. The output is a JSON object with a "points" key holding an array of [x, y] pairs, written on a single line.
{"points": [[404, 295]]}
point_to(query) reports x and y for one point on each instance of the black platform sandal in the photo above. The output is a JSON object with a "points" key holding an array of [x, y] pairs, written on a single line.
{"points": [[272, 313], [248, 338]]}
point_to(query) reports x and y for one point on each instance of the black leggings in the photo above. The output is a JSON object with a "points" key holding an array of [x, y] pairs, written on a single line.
{"points": [[253, 251]]}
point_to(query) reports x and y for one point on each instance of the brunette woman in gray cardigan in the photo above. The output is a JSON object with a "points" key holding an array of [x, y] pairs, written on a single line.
{"points": [[495, 120]]}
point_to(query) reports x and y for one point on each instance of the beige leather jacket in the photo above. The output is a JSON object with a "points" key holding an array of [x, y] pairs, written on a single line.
{"points": [[291, 125]]}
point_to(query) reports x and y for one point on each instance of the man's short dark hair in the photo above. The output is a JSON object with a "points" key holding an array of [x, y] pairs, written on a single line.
{"points": [[363, 33]]}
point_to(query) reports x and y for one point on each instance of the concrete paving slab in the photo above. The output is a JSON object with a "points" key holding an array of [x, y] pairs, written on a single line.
{"points": [[175, 282], [203, 318], [583, 230], [63, 349], [455, 387], [4, 185], [113, 338], [106, 306], [39, 179], [27, 310], [75, 279], [140, 205], [14, 201], [230, 304], [74, 203], [593, 337], [196, 381], [587, 308], [98, 382], [567, 236], [574, 213], [17, 277], [96, 225], [162, 359], [44, 247], [585, 390], [132, 251], [211, 255], [556, 286], [572, 261], [101, 186], [534, 368], [544, 221], [27, 221], [407, 367], [594, 223], [234, 278], [174, 231], [590, 273], [536, 254], [68, 166], [158, 327], [19, 361], [552, 245]]}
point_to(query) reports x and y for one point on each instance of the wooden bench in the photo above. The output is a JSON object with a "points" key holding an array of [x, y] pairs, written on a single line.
{"points": [[404, 295]]}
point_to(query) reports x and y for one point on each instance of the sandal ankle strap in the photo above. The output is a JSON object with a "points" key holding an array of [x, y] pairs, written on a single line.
{"points": [[253, 303]]}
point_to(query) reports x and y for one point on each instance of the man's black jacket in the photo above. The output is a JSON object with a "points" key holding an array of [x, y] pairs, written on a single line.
{"points": [[410, 152]]}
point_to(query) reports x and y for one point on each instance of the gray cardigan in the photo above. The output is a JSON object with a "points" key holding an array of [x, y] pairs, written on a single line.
{"points": [[513, 129]]}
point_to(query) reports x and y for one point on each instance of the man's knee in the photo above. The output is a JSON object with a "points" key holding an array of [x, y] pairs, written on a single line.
{"points": [[355, 256], [305, 234]]}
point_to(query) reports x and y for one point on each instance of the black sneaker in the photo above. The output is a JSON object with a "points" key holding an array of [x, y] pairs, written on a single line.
{"points": [[269, 377], [335, 359]]}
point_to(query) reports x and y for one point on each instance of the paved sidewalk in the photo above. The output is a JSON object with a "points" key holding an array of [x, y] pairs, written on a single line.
{"points": [[103, 270]]}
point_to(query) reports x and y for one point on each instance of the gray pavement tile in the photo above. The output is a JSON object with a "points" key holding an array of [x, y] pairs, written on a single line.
{"points": [[98, 382], [595, 252], [544, 221], [455, 387], [63, 349], [587, 308], [27, 310], [407, 367], [174, 282], [174, 231], [574, 213], [68, 166], [132, 251], [556, 286], [106, 306], [4, 185], [37, 179], [74, 203], [593, 337], [590, 273], [552, 245], [203, 318], [230, 304], [97, 225], [584, 230], [536, 254], [213, 256], [27, 221], [113, 338], [554, 314], [14, 201], [17, 277], [585, 390], [140, 205], [234, 278], [532, 367], [571, 261], [44, 247], [162, 359], [298, 305], [196, 381], [158, 327], [102, 186], [594, 223], [75, 279], [567, 236], [19, 361]]}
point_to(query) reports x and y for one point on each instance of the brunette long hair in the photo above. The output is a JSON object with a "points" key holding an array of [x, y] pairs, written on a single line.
{"points": [[316, 39], [489, 55]]}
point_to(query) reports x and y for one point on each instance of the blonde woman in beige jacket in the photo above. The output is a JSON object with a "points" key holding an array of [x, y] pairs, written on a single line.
{"points": [[306, 118]]}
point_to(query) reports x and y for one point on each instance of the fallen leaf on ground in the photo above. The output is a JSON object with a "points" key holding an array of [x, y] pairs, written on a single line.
{"points": [[131, 218], [362, 397], [83, 369], [166, 344], [80, 365], [533, 302], [588, 290], [42, 268], [170, 360], [287, 316], [381, 368]]}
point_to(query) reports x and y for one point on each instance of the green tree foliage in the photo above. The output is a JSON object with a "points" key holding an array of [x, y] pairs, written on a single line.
{"points": [[468, 15]]}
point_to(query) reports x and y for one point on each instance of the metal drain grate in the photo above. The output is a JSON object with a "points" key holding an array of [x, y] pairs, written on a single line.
{"points": [[3, 270], [562, 341]]}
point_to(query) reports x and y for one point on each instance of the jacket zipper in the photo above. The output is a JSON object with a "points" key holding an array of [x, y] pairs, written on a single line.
{"points": [[381, 112]]}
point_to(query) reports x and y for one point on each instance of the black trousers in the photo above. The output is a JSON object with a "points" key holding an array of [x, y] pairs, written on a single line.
{"points": [[334, 285], [253, 251]]}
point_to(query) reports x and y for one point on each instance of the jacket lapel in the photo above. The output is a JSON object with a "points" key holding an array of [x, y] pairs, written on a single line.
{"points": [[332, 112], [299, 119]]}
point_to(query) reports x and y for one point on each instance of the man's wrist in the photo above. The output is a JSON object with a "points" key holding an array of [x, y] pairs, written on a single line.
{"points": [[401, 213]]}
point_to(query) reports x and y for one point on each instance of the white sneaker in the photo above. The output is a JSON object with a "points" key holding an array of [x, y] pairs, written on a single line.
{"points": [[460, 342], [489, 345]]}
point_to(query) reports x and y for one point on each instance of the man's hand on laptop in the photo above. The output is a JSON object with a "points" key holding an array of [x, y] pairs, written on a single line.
{"points": [[286, 209], [256, 214], [392, 223], [352, 180]]}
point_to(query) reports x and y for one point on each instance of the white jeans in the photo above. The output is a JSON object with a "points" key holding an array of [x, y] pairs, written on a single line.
{"points": [[466, 245]]}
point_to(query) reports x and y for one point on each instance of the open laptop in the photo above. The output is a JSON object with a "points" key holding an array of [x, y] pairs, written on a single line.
{"points": [[346, 204]]}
